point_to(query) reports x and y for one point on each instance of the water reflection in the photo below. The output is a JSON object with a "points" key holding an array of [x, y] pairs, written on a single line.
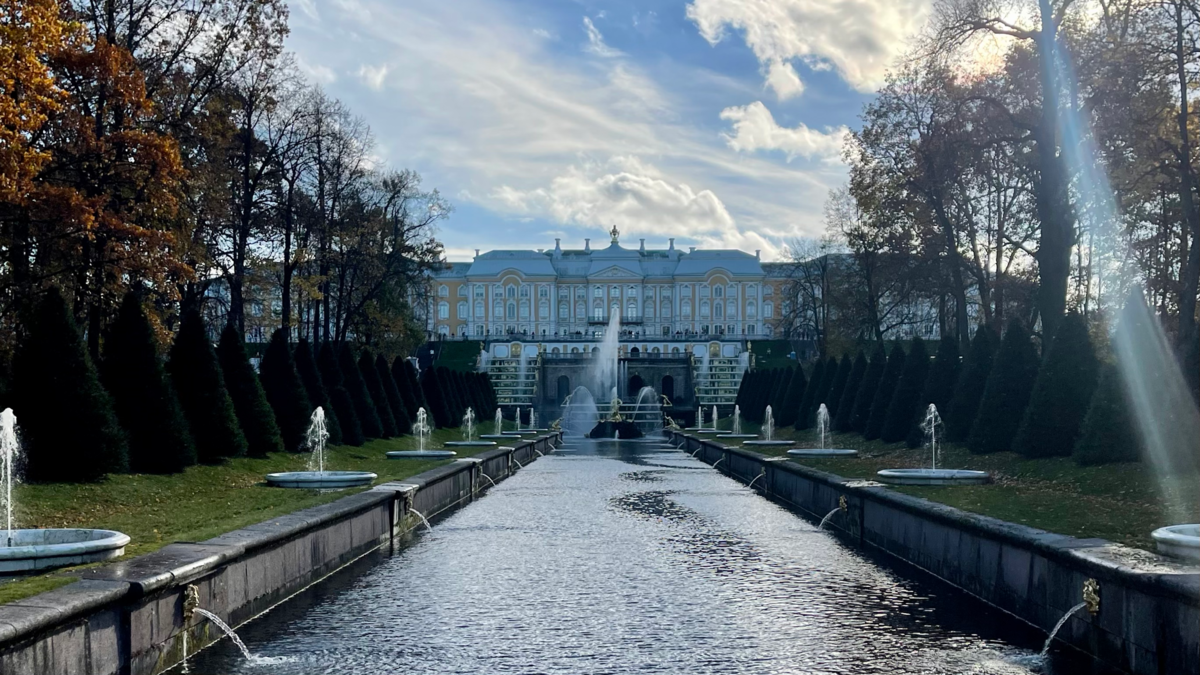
{"points": [[579, 564]]}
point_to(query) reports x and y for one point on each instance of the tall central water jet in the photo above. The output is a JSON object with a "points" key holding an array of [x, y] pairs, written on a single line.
{"points": [[316, 477], [736, 426], [422, 431], [9, 454], [768, 431], [823, 435], [468, 434], [931, 424]]}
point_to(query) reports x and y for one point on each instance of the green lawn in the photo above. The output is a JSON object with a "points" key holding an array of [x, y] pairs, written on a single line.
{"points": [[772, 354], [200, 503], [1119, 502], [459, 355]]}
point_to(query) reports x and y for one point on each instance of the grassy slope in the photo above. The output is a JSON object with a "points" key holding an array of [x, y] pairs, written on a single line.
{"points": [[1119, 502], [459, 355], [200, 503]]}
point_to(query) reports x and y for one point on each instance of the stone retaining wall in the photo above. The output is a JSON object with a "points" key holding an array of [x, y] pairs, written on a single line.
{"points": [[1149, 616], [127, 618]]}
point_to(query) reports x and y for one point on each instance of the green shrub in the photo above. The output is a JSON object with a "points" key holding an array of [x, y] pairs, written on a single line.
{"points": [[1061, 394], [845, 409], [867, 389], [143, 399], [824, 389], [339, 396], [883, 393], [839, 385], [285, 391], [1006, 394], [383, 408], [392, 391], [968, 389], [364, 406], [410, 390], [790, 409], [68, 427], [779, 392], [938, 389], [901, 415], [438, 414], [1108, 432], [254, 412], [314, 387], [803, 418], [202, 394]]}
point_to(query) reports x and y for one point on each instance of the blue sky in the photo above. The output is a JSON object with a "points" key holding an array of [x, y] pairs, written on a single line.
{"points": [[717, 122]]}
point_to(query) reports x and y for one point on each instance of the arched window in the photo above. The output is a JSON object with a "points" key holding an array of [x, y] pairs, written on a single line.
{"points": [[443, 291], [718, 292], [768, 310], [543, 310], [512, 311], [524, 291], [462, 310], [686, 310], [631, 310], [580, 310], [649, 311], [564, 311], [543, 292], [510, 291], [497, 312], [718, 310], [524, 309], [666, 311], [479, 329], [443, 329], [598, 292], [752, 291], [462, 291], [751, 312], [631, 292], [443, 310], [703, 309], [731, 309], [598, 313], [614, 291], [479, 309]]}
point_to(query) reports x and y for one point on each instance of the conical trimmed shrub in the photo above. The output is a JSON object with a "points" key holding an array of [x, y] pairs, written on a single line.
{"points": [[867, 389], [779, 392], [968, 389], [791, 402], [939, 388], [383, 408], [142, 396], [339, 396], [431, 387], [392, 391], [68, 428], [200, 385], [314, 387], [254, 412], [839, 384], [285, 391], [1006, 394], [845, 410], [1061, 394], [364, 406], [902, 411], [883, 393], [803, 416], [402, 374], [1108, 433], [824, 388]]}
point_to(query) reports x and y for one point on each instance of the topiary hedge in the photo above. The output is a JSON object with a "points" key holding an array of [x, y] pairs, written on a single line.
{"points": [[901, 415], [1006, 394], [316, 389], [254, 412], [285, 391], [883, 393], [1061, 394], [200, 385], [867, 389], [845, 409]]}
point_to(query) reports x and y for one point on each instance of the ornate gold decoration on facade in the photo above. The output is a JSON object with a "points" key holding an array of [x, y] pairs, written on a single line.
{"points": [[1091, 596]]}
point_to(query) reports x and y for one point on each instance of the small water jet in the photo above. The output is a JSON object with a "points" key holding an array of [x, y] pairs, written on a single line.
{"points": [[823, 434], [316, 477], [931, 424], [498, 427], [39, 549], [468, 432], [699, 420], [761, 474], [735, 429], [711, 430], [768, 432], [842, 507], [424, 520], [422, 431]]}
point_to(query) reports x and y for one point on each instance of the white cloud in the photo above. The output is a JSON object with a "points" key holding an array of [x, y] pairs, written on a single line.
{"points": [[783, 79], [755, 128], [373, 76], [543, 33], [858, 38], [596, 44], [320, 74]]}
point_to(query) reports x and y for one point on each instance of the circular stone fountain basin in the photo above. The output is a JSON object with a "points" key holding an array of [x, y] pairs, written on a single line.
{"points": [[737, 435], [421, 454], [768, 443], [710, 431], [1179, 541], [320, 480], [44, 549], [469, 444], [823, 452], [934, 476], [507, 434]]}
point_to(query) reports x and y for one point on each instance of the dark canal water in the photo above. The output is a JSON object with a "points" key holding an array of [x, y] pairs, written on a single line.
{"points": [[628, 560]]}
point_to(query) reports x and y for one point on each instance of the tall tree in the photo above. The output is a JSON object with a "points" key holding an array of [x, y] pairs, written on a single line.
{"points": [[867, 390], [901, 414], [254, 412], [1061, 393], [888, 380], [845, 409], [314, 387], [197, 377], [1006, 394]]}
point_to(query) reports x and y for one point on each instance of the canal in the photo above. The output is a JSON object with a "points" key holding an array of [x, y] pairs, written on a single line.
{"points": [[624, 558]]}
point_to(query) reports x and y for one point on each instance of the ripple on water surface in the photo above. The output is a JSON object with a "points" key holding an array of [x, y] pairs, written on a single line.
{"points": [[622, 560]]}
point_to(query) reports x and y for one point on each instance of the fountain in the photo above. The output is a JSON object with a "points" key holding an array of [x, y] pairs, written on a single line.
{"points": [[316, 477], [699, 420], [580, 414], [713, 429], [29, 550], [931, 424], [422, 431], [499, 431], [611, 427], [735, 430], [823, 433], [1179, 541], [768, 432], [468, 432]]}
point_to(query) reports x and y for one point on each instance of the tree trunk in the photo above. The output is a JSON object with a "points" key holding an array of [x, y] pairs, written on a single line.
{"points": [[1190, 279]]}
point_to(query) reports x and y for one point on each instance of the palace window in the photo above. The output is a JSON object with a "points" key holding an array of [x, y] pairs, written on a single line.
{"points": [[543, 310], [666, 311], [768, 310], [752, 291], [768, 291], [597, 292], [524, 309], [614, 291], [632, 291], [718, 310], [718, 292], [443, 310], [631, 310], [512, 311], [462, 310], [479, 329], [564, 311], [543, 292], [649, 311], [580, 310], [731, 309], [524, 291], [462, 291], [686, 311], [703, 309], [511, 291], [443, 291], [751, 312], [479, 309], [479, 291]]}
